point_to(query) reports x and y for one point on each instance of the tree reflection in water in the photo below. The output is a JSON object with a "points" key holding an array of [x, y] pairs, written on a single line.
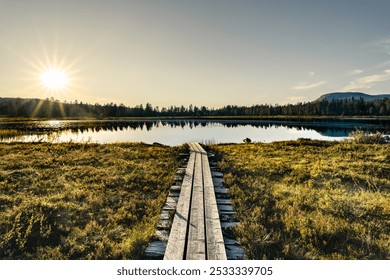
{"points": [[325, 127]]}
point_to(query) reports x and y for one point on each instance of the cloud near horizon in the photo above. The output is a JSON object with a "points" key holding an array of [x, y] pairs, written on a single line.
{"points": [[305, 86], [367, 82]]}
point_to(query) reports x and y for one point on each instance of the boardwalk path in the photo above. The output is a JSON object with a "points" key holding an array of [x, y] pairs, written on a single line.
{"points": [[196, 230]]}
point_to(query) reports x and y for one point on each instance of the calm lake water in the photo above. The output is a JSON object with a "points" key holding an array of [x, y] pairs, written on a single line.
{"points": [[176, 132]]}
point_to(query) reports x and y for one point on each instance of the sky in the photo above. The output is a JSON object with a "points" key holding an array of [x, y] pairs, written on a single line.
{"points": [[200, 52]]}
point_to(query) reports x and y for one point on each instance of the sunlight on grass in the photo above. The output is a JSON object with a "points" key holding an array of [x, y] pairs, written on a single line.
{"points": [[310, 199], [81, 201]]}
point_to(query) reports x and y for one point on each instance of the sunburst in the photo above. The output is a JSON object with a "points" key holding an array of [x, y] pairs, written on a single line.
{"points": [[54, 79]]}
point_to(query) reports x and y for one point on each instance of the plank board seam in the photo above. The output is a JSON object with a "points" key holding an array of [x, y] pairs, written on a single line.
{"points": [[198, 207]]}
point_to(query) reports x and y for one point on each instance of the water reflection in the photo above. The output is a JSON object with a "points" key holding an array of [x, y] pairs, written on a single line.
{"points": [[188, 129]]}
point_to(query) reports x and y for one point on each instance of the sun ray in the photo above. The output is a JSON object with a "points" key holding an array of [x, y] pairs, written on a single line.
{"points": [[62, 110], [52, 57], [37, 107]]}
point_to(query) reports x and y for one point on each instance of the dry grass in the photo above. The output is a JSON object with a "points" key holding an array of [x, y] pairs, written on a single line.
{"points": [[9, 133], [310, 199], [81, 201]]}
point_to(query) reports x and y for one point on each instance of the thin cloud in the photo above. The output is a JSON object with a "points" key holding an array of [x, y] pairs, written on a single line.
{"points": [[367, 82], [311, 73], [382, 65], [305, 86], [355, 72], [383, 45]]}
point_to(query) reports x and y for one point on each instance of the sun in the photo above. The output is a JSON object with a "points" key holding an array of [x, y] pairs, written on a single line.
{"points": [[54, 79]]}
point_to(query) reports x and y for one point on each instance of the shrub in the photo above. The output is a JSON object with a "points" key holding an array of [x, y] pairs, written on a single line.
{"points": [[362, 137]]}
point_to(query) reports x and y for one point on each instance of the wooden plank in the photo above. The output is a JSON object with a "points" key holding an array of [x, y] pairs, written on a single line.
{"points": [[164, 224], [218, 181], [196, 225], [163, 235], [177, 237], [170, 203], [235, 252], [165, 215], [196, 248], [194, 147], [155, 250], [225, 201], [220, 190], [217, 174], [225, 208], [214, 239], [175, 188], [229, 224]]}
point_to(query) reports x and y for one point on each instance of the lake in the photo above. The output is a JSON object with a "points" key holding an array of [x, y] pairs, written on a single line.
{"points": [[176, 132]]}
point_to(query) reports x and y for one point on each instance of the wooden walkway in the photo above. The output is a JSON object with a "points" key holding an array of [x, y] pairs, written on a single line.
{"points": [[196, 229]]}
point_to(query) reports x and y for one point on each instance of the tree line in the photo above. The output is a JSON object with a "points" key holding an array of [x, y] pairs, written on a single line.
{"points": [[50, 108]]}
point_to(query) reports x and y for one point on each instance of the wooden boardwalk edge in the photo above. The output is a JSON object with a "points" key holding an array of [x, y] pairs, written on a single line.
{"points": [[196, 232], [177, 237]]}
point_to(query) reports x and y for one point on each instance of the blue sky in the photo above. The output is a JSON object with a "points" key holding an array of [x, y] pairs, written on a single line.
{"points": [[213, 52]]}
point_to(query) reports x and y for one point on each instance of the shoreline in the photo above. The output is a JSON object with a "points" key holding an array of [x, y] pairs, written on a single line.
{"points": [[157, 118]]}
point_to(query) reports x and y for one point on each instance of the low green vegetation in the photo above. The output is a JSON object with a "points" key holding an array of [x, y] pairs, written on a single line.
{"points": [[310, 199], [81, 201]]}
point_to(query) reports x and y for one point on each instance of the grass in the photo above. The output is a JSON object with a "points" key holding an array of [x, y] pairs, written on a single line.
{"points": [[9, 133], [296, 199], [310, 199], [81, 201]]}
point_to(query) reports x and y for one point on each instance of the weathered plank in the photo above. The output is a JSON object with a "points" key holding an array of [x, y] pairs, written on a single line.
{"points": [[196, 232], [175, 188], [171, 203], [164, 224], [218, 181], [177, 237], [214, 239], [165, 215], [217, 174], [225, 201], [225, 208], [196, 248], [220, 190], [195, 147], [155, 250]]}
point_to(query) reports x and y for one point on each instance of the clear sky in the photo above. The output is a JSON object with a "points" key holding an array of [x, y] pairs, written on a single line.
{"points": [[200, 52]]}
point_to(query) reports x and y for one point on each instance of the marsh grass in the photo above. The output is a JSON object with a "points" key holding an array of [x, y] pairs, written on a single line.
{"points": [[81, 201], [310, 199], [362, 137], [9, 133]]}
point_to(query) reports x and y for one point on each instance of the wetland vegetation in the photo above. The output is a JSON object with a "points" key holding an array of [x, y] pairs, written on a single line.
{"points": [[304, 199], [310, 199], [81, 201]]}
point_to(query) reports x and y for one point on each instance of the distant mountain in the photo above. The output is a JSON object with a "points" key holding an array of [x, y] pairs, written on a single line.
{"points": [[351, 95]]}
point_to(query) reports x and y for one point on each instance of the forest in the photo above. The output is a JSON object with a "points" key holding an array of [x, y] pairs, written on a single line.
{"points": [[51, 108]]}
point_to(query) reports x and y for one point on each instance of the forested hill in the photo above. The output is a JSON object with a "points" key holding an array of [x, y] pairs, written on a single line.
{"points": [[50, 108], [352, 95]]}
